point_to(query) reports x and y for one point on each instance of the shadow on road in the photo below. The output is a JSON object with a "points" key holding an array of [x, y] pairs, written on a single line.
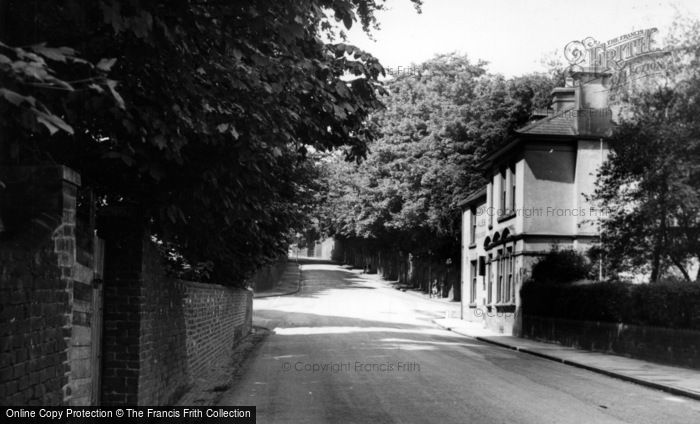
{"points": [[320, 276], [324, 307], [389, 334], [305, 260], [352, 275]]}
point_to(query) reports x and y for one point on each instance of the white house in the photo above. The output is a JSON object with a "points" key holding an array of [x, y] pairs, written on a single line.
{"points": [[535, 199]]}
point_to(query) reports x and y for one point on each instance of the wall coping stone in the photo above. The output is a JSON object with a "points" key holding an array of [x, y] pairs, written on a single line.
{"points": [[212, 286]]}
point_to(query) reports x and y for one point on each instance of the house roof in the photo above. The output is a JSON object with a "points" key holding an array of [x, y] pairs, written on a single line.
{"points": [[559, 126], [472, 198], [561, 123]]}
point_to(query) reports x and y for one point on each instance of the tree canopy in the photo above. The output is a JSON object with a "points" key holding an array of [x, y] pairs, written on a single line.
{"points": [[201, 112], [437, 124], [650, 185]]}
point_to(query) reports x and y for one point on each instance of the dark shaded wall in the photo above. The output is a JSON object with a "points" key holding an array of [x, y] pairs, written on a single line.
{"points": [[46, 296], [657, 344], [156, 335], [160, 333], [267, 277]]}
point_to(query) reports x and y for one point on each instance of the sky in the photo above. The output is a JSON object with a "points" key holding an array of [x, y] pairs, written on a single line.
{"points": [[512, 35]]}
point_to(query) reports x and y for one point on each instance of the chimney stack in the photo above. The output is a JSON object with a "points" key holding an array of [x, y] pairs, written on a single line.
{"points": [[563, 98], [593, 114]]}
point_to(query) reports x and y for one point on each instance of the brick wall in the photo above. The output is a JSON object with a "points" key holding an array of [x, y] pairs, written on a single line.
{"points": [[34, 312], [122, 308], [268, 276], [161, 333], [163, 370], [74, 242], [158, 334], [217, 318], [37, 287]]}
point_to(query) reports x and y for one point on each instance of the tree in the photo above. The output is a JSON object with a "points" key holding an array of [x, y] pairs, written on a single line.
{"points": [[437, 125], [650, 186], [561, 267], [212, 107]]}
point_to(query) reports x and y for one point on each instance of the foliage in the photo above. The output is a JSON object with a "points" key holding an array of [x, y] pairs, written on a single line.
{"points": [[218, 104], [668, 303], [650, 186], [29, 82], [437, 124], [561, 266]]}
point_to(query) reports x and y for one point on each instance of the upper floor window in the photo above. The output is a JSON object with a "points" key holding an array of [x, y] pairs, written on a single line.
{"points": [[504, 194], [491, 203], [512, 189], [472, 226]]}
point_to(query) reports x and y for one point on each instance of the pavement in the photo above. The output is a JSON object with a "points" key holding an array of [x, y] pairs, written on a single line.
{"points": [[208, 388], [451, 307], [348, 347], [674, 380]]}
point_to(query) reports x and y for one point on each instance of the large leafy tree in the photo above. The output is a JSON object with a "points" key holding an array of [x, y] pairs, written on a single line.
{"points": [[199, 111], [437, 124], [650, 186]]}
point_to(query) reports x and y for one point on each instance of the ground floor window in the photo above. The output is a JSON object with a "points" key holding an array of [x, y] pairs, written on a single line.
{"points": [[489, 284], [505, 276], [510, 266], [499, 275], [473, 274]]}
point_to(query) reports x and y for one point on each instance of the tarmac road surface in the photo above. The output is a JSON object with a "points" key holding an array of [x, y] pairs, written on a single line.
{"points": [[348, 349]]}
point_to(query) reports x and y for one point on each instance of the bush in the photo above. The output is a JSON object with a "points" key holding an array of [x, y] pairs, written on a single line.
{"points": [[561, 266], [664, 304]]}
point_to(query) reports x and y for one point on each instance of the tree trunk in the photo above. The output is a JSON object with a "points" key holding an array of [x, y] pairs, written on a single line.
{"points": [[656, 261], [659, 238], [682, 269]]}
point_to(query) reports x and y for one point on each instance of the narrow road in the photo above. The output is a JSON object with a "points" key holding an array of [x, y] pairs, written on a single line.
{"points": [[351, 350]]}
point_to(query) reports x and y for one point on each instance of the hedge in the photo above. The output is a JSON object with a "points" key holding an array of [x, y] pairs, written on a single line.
{"points": [[562, 266], [664, 304]]}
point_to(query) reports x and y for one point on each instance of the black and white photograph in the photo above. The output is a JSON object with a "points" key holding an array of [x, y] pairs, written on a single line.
{"points": [[350, 211]]}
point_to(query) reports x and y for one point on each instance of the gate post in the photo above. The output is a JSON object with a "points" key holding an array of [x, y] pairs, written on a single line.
{"points": [[123, 234]]}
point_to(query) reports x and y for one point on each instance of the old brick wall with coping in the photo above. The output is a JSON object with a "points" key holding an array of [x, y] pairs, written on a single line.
{"points": [[216, 318], [267, 277], [161, 333], [186, 328], [45, 292]]}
